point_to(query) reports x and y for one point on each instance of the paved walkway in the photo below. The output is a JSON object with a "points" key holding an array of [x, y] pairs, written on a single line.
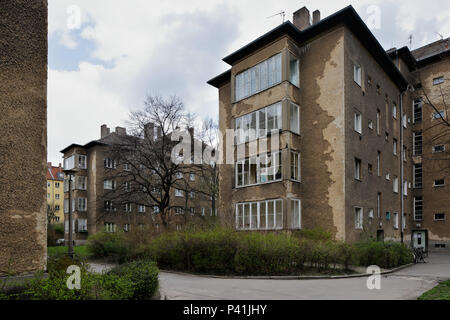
{"points": [[408, 283]]}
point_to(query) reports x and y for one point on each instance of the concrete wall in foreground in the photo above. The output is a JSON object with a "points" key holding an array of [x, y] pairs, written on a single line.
{"points": [[23, 136]]}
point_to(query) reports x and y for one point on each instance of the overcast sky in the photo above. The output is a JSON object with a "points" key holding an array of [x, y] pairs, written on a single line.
{"points": [[103, 67]]}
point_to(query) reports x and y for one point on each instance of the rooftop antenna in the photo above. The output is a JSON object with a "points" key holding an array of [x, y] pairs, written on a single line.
{"points": [[410, 38], [282, 14], [440, 35]]}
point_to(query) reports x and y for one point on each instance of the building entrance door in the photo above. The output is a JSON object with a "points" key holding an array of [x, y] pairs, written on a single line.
{"points": [[419, 239], [380, 235]]}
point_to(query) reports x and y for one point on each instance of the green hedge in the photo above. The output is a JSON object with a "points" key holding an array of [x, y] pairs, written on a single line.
{"points": [[224, 251], [137, 280]]}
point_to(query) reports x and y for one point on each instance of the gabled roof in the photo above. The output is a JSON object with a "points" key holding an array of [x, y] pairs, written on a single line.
{"points": [[53, 172], [347, 17]]}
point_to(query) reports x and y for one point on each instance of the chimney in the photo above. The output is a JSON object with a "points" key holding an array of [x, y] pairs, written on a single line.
{"points": [[191, 132], [302, 18], [59, 165], [121, 131], [49, 164], [149, 131], [104, 131], [316, 16]]}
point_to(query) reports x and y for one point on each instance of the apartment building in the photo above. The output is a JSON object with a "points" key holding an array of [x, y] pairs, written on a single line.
{"points": [[428, 68], [92, 209], [341, 111], [23, 136], [55, 192]]}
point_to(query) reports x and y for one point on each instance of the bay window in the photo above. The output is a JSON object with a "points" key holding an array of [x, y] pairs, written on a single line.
{"points": [[295, 166], [258, 169], [256, 124], [294, 118], [258, 78], [261, 215]]}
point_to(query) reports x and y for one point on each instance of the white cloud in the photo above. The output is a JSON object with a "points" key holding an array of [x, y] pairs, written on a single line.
{"points": [[175, 47]]}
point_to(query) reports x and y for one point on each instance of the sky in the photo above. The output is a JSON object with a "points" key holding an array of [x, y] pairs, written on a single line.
{"points": [[106, 56]]}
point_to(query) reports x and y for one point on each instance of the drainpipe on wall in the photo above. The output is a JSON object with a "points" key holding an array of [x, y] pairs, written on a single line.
{"points": [[402, 155]]}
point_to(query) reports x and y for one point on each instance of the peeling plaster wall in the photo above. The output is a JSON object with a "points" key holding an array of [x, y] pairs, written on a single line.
{"points": [[23, 136]]}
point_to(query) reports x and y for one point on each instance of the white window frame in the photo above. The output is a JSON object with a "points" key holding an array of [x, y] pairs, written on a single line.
{"points": [[359, 218], [438, 185], [276, 224], [358, 169], [81, 182], [395, 146], [358, 122], [275, 157], [81, 161], [357, 74], [395, 184], [141, 208], [296, 223], [396, 220], [294, 123], [438, 80], [179, 193], [439, 145], [394, 110], [296, 166]]}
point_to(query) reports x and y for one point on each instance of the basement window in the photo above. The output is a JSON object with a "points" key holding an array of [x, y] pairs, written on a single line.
{"points": [[439, 183], [439, 216], [438, 148]]}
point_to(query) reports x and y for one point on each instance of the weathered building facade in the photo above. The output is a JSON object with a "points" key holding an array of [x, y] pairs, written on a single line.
{"points": [[341, 113], [96, 207], [23, 136]]}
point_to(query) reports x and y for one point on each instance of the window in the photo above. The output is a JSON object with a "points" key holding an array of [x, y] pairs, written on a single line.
{"points": [[126, 167], [358, 169], [258, 78], [69, 163], [192, 194], [294, 68], [82, 162], [109, 163], [141, 208], [81, 183], [295, 166], [179, 210], [126, 227], [438, 115], [439, 183], [66, 205], [405, 153], [260, 169], [418, 175], [57, 207], [258, 123], [127, 207], [388, 216], [81, 204], [295, 214], [179, 193], [109, 206], [386, 136], [56, 185], [417, 106], [109, 184], [394, 110], [126, 186], [48, 184], [179, 175], [358, 122], [358, 218], [395, 184], [263, 215], [57, 196], [192, 177], [438, 148], [110, 227], [379, 205], [379, 163], [404, 121], [156, 209], [438, 80], [192, 211], [203, 211], [394, 142], [388, 177], [369, 168], [295, 118], [370, 124], [404, 221], [405, 188], [418, 208], [371, 213], [439, 216], [417, 138], [378, 121], [395, 220], [357, 74], [82, 225]]}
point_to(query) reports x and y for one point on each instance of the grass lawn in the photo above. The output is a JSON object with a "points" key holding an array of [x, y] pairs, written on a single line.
{"points": [[80, 251], [440, 292]]}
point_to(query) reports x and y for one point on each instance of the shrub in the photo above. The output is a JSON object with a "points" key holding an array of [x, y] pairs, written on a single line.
{"points": [[382, 254], [143, 276], [318, 234], [108, 245]]}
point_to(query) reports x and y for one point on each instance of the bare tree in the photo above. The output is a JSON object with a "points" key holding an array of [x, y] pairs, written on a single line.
{"points": [[146, 175]]}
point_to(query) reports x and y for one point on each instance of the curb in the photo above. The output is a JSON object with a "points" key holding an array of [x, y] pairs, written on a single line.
{"points": [[358, 275]]}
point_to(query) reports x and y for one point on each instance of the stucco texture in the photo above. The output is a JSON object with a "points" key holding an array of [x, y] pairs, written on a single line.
{"points": [[23, 135]]}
